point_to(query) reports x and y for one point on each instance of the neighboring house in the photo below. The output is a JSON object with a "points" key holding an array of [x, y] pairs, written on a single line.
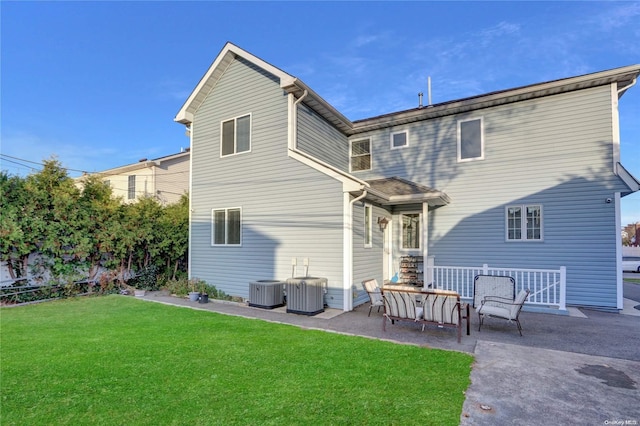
{"points": [[630, 234], [165, 178], [523, 178]]}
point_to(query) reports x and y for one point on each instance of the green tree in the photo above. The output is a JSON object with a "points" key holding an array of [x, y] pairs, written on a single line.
{"points": [[79, 227], [55, 196], [17, 241], [98, 223], [173, 227]]}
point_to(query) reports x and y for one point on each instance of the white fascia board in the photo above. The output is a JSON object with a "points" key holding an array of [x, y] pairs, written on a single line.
{"points": [[183, 117], [629, 180], [614, 76], [349, 183], [129, 168], [159, 160], [226, 55], [318, 103], [435, 199]]}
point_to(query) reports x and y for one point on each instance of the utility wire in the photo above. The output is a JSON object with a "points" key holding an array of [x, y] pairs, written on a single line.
{"points": [[7, 159], [84, 172]]}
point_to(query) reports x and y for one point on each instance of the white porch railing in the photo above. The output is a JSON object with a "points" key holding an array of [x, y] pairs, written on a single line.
{"points": [[547, 286]]}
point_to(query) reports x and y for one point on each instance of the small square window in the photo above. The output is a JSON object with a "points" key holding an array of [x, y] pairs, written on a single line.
{"points": [[524, 223], [399, 140]]}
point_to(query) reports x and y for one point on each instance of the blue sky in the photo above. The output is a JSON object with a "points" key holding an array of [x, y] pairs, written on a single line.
{"points": [[97, 84]]}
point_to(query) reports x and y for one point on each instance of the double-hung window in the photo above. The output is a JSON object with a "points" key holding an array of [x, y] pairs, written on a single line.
{"points": [[236, 135], [361, 155], [411, 232], [131, 190], [226, 227], [470, 140], [368, 231], [524, 223], [399, 139]]}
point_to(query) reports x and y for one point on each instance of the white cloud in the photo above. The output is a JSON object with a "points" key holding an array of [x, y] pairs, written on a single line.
{"points": [[620, 16], [488, 35], [363, 40]]}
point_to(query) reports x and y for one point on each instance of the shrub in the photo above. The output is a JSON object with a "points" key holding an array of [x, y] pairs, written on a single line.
{"points": [[180, 287], [146, 279], [214, 293]]}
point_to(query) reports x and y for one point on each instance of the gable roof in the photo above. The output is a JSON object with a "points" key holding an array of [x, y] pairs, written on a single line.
{"points": [[144, 163], [623, 77], [288, 83]]}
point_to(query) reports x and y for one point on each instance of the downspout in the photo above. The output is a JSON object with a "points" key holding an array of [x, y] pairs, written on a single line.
{"points": [[618, 219], [190, 238], [294, 131], [347, 238]]}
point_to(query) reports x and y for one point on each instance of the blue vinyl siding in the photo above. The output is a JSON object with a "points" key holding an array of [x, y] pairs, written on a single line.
{"points": [[367, 262], [288, 209], [318, 138], [555, 151]]}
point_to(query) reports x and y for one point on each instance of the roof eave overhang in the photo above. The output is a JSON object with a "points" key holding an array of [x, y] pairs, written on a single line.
{"points": [[631, 181], [226, 56], [621, 76], [433, 198], [297, 87], [288, 83], [185, 153], [130, 168]]}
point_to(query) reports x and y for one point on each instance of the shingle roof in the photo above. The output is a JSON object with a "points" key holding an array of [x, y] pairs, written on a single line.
{"points": [[396, 190]]}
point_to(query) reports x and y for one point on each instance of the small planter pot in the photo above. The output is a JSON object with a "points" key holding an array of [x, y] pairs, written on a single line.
{"points": [[194, 296], [204, 298], [139, 293]]}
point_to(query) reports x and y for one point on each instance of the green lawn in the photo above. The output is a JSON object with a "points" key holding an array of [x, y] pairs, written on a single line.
{"points": [[116, 360]]}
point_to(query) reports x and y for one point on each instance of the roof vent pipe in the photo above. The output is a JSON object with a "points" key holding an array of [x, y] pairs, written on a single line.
{"points": [[420, 100], [429, 89]]}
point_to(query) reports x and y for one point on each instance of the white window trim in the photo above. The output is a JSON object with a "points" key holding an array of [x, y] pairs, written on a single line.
{"points": [[235, 136], [368, 230], [397, 133], [420, 242], [351, 155], [226, 213], [523, 224], [459, 154]]}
